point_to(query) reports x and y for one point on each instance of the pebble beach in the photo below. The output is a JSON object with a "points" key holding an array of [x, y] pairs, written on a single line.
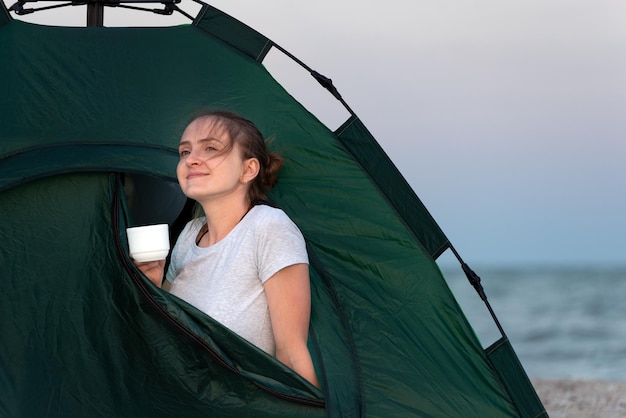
{"points": [[582, 398]]}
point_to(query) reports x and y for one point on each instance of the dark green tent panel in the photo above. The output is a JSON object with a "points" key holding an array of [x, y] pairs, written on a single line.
{"points": [[90, 111]]}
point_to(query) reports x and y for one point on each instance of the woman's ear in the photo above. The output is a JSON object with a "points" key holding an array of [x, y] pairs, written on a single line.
{"points": [[251, 169]]}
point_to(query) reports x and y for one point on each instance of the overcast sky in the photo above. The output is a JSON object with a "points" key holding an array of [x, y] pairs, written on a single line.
{"points": [[508, 118]]}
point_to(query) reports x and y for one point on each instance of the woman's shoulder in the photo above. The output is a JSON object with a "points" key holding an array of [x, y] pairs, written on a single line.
{"points": [[267, 210], [267, 213], [274, 231]]}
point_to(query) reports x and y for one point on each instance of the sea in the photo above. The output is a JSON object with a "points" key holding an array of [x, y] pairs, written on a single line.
{"points": [[563, 323]]}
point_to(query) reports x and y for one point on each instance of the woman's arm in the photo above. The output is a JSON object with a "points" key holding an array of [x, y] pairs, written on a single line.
{"points": [[289, 298]]}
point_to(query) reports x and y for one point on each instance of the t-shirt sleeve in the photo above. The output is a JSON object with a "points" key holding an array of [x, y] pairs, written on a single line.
{"points": [[280, 244]]}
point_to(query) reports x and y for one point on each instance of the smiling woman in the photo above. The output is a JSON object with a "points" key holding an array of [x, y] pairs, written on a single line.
{"points": [[244, 263]]}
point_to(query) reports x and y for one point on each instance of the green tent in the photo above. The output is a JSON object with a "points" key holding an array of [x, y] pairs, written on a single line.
{"points": [[89, 124]]}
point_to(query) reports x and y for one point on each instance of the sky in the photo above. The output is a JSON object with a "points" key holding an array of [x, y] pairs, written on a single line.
{"points": [[508, 118]]}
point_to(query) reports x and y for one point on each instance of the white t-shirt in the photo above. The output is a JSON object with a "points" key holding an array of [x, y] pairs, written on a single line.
{"points": [[226, 279]]}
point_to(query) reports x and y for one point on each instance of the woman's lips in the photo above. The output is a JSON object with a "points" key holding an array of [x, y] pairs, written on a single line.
{"points": [[195, 175]]}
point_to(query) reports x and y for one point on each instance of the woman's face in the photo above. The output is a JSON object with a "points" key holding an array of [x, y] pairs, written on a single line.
{"points": [[207, 168]]}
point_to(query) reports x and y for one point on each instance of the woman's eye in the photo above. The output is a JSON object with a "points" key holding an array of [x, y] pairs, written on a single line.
{"points": [[183, 153]]}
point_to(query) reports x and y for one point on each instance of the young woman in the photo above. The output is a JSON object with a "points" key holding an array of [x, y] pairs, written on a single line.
{"points": [[244, 263]]}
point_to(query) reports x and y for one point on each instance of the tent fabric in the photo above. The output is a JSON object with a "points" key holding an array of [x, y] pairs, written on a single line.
{"points": [[362, 145], [233, 32], [511, 371], [85, 334]]}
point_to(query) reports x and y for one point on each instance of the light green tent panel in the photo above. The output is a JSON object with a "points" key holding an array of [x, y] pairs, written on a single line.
{"points": [[84, 334]]}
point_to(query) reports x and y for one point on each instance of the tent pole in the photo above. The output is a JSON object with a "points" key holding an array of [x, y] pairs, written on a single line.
{"points": [[95, 13]]}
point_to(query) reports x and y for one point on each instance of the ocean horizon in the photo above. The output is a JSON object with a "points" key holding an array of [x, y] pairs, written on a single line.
{"points": [[563, 322]]}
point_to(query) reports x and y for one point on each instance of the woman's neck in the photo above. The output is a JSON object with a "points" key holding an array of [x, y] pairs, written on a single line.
{"points": [[221, 218]]}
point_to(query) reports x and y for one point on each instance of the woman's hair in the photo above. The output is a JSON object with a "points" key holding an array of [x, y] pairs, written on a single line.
{"points": [[252, 145]]}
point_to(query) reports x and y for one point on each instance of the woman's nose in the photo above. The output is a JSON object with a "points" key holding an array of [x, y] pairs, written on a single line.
{"points": [[192, 159]]}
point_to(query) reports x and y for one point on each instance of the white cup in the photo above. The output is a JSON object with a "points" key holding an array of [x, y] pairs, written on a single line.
{"points": [[148, 243]]}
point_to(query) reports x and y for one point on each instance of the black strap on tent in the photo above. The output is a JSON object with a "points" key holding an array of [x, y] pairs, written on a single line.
{"points": [[19, 9], [475, 281], [95, 8], [325, 82]]}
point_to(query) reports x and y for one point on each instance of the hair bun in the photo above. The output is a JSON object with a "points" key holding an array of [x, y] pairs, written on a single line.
{"points": [[270, 175]]}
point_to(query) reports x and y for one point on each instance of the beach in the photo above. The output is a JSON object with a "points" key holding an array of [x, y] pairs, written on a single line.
{"points": [[565, 325], [582, 398]]}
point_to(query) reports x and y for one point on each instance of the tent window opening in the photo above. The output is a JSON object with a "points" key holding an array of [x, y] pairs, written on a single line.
{"points": [[152, 200]]}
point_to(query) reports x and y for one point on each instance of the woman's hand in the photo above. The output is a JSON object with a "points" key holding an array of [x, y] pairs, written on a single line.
{"points": [[153, 270]]}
